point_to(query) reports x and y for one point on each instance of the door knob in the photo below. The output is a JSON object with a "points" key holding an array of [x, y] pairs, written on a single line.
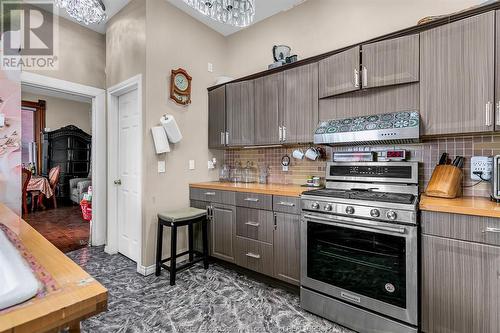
{"points": [[118, 182]]}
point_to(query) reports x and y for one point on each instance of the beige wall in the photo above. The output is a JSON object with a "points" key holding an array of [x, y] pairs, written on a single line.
{"points": [[319, 26], [175, 40], [62, 112], [82, 55], [126, 43]]}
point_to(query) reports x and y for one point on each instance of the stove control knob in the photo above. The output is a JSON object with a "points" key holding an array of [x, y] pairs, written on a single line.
{"points": [[315, 205], [328, 207], [375, 213], [391, 215], [349, 210]]}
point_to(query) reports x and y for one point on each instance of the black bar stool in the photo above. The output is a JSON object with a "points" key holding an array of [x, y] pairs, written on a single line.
{"points": [[179, 218]]}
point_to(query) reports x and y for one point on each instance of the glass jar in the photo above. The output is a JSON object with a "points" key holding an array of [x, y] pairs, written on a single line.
{"points": [[263, 173]]}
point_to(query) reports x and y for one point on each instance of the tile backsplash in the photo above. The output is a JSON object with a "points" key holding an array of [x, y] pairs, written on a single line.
{"points": [[426, 152]]}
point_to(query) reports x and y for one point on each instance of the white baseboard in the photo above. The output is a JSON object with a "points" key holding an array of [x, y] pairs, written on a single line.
{"points": [[146, 270], [109, 251]]}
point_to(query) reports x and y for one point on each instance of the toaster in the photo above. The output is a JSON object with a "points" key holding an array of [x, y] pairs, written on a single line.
{"points": [[496, 178]]}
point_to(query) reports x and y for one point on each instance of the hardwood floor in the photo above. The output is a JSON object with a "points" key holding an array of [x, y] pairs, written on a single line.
{"points": [[64, 227]]}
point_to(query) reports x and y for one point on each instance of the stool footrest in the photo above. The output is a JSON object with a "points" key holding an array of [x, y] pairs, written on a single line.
{"points": [[182, 267], [180, 255]]}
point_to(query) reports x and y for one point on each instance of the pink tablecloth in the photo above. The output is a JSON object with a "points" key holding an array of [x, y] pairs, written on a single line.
{"points": [[41, 184]]}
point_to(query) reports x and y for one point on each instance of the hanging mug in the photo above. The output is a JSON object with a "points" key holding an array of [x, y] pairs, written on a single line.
{"points": [[298, 154], [312, 154]]}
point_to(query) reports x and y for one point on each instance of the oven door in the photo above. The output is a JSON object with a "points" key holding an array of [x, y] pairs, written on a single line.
{"points": [[366, 263]]}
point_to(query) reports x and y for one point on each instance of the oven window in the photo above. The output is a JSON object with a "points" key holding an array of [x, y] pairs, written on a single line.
{"points": [[363, 262]]}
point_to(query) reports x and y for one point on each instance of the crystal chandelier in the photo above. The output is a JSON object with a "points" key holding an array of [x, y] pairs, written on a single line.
{"points": [[86, 11], [238, 13]]}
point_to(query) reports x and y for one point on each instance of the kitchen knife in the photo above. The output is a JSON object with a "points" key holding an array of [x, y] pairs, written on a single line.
{"points": [[443, 159]]}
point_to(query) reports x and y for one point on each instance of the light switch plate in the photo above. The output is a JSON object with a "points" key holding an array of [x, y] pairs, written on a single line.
{"points": [[162, 167], [191, 165], [481, 163], [210, 67]]}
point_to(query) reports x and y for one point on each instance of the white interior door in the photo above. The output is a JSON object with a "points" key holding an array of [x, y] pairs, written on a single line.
{"points": [[128, 205]]}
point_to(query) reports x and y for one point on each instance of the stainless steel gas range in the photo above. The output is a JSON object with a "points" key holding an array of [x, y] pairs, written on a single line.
{"points": [[359, 245]]}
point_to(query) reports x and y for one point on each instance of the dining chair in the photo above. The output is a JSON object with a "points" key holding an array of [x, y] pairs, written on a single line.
{"points": [[26, 176], [53, 180]]}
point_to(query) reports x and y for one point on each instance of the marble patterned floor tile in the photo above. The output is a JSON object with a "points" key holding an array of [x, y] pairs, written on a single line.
{"points": [[217, 300]]}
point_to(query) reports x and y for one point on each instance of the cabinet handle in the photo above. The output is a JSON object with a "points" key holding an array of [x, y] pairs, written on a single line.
{"points": [[288, 204], [488, 114], [365, 77], [222, 137], [253, 255], [253, 224], [356, 78], [227, 138], [492, 230], [498, 113], [275, 220], [252, 199], [284, 133], [280, 133], [210, 193]]}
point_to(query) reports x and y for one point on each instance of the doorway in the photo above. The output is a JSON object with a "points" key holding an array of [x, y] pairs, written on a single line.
{"points": [[97, 161], [56, 153], [125, 170]]}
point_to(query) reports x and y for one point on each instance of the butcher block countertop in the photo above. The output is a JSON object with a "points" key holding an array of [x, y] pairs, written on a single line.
{"points": [[466, 205], [79, 296], [274, 189]]}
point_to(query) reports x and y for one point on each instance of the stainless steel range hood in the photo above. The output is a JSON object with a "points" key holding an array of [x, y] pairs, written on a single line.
{"points": [[396, 127]]}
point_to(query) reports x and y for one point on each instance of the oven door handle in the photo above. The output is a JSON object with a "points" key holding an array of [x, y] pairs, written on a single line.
{"points": [[353, 224]]}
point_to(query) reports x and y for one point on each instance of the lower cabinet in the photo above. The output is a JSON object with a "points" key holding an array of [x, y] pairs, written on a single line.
{"points": [[287, 248], [263, 236], [223, 232], [255, 255], [460, 286]]}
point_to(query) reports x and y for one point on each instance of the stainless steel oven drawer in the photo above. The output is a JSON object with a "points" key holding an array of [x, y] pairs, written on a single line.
{"points": [[256, 224], [290, 205], [254, 255], [348, 315], [254, 200]]}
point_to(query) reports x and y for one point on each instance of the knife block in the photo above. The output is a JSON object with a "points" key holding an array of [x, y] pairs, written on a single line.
{"points": [[446, 182]]}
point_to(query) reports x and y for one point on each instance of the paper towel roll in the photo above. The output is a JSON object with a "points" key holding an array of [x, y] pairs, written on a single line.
{"points": [[160, 139], [170, 125]]}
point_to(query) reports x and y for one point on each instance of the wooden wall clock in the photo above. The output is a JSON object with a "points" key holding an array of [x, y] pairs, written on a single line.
{"points": [[180, 86]]}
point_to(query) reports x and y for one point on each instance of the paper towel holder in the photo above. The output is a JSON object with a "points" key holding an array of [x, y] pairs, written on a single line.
{"points": [[160, 140]]}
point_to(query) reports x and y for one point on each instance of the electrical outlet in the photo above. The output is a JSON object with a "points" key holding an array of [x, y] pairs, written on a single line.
{"points": [[161, 166], [210, 67], [482, 164]]}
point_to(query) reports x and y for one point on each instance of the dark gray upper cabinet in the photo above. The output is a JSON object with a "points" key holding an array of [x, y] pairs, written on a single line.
{"points": [[240, 113], [287, 248], [339, 73], [223, 232], [457, 76], [217, 117], [268, 105], [460, 286], [300, 104], [389, 62], [497, 72], [371, 101]]}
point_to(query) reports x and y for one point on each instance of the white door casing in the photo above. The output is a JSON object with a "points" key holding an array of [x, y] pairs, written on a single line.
{"points": [[99, 147], [125, 164]]}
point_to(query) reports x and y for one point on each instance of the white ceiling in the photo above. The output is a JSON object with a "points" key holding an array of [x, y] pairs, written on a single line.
{"points": [[263, 10]]}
